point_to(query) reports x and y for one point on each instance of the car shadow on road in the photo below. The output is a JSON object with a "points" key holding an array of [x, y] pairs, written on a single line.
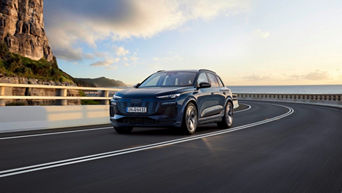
{"points": [[172, 131]]}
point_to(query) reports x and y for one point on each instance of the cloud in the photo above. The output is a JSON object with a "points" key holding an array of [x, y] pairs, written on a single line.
{"points": [[315, 75], [121, 51], [106, 62], [69, 53], [255, 77], [134, 58], [72, 22], [171, 61], [262, 34]]}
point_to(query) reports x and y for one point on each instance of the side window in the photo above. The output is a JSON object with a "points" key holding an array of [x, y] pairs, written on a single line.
{"points": [[202, 78], [220, 81], [213, 80]]}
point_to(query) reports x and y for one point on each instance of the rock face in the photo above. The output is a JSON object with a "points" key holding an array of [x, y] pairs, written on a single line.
{"points": [[22, 28]]}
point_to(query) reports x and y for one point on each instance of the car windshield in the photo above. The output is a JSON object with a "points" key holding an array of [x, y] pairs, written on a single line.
{"points": [[169, 79]]}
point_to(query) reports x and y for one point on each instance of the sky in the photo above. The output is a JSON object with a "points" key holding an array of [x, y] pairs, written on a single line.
{"points": [[246, 42]]}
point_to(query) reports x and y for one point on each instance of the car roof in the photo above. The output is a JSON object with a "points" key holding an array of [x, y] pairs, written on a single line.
{"points": [[200, 70]]}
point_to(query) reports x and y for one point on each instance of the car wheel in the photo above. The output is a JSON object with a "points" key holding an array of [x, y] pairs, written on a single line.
{"points": [[227, 120], [123, 130], [190, 119]]}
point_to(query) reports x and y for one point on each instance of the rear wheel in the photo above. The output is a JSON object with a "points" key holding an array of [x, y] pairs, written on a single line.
{"points": [[227, 120], [190, 119], [123, 130]]}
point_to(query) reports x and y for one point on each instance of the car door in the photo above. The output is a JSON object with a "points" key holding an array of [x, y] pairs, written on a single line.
{"points": [[216, 99], [203, 95], [223, 91]]}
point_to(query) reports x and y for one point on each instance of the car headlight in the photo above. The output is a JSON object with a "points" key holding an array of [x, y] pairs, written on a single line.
{"points": [[170, 96], [116, 97]]}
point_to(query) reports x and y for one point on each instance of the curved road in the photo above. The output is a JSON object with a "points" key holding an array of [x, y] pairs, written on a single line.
{"points": [[272, 147]]}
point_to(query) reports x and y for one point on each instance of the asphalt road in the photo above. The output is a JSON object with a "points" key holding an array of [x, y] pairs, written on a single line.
{"points": [[271, 148]]}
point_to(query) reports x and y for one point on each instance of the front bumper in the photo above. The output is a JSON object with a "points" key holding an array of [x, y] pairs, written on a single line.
{"points": [[148, 121], [159, 114]]}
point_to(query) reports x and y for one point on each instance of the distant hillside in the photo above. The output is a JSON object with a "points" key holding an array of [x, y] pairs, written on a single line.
{"points": [[99, 82]]}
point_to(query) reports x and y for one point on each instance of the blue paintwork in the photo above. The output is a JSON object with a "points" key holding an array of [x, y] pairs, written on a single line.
{"points": [[205, 99]]}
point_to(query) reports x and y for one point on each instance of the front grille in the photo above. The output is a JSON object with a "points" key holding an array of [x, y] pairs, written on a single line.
{"points": [[149, 104]]}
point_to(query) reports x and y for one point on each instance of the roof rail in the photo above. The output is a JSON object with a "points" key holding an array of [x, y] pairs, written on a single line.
{"points": [[207, 70], [161, 71]]}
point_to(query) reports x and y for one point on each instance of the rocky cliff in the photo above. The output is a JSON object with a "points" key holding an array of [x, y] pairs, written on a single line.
{"points": [[22, 28]]}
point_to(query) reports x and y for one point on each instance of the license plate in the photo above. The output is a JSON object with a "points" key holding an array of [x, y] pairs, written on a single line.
{"points": [[136, 109]]}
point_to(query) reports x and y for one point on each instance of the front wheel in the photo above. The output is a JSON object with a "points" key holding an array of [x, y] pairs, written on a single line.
{"points": [[227, 120], [190, 119], [123, 130]]}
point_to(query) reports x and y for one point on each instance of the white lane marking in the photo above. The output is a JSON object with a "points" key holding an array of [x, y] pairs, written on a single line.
{"points": [[243, 110], [54, 133], [80, 130], [32, 168]]}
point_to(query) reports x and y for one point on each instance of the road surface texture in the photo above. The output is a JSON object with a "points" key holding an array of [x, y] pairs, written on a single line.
{"points": [[272, 147]]}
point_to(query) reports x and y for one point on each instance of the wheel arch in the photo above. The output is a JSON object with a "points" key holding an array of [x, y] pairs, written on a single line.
{"points": [[229, 99], [185, 104]]}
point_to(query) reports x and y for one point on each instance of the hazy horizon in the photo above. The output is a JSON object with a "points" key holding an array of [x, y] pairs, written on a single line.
{"points": [[260, 42]]}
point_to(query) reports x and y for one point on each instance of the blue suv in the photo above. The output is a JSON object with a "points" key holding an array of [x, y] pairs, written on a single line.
{"points": [[184, 98]]}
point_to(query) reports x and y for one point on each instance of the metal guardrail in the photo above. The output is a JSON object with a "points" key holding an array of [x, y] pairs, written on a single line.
{"points": [[61, 94], [235, 97], [335, 99]]}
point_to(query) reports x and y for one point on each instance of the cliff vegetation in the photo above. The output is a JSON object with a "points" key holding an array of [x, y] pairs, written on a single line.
{"points": [[12, 64]]}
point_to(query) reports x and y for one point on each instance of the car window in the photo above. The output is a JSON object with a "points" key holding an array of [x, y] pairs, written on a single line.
{"points": [[202, 78], [220, 81], [213, 80], [170, 79], [151, 81]]}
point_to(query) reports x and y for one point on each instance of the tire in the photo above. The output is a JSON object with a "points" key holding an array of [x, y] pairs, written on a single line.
{"points": [[190, 119], [123, 130], [227, 119]]}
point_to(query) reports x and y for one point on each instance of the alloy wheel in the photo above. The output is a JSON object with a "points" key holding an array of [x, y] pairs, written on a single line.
{"points": [[191, 118], [229, 114]]}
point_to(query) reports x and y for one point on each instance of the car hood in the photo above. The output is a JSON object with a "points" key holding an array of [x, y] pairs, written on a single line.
{"points": [[151, 91]]}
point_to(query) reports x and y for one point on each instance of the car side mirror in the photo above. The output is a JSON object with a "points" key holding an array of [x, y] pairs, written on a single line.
{"points": [[137, 85], [204, 85]]}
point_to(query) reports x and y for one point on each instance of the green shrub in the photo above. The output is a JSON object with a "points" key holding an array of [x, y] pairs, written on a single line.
{"points": [[15, 65], [2, 64], [90, 102], [16, 104]]}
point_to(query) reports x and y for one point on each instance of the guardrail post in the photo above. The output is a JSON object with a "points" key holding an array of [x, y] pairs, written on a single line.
{"points": [[2, 93], [63, 92], [105, 93]]}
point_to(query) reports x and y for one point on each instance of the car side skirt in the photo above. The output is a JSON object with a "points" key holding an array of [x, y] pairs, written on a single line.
{"points": [[211, 119]]}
